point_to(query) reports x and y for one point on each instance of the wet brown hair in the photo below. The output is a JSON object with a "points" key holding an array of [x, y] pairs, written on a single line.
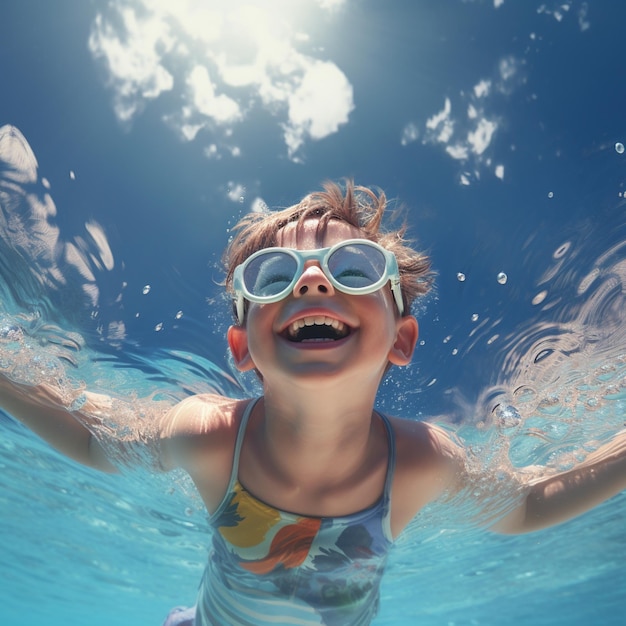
{"points": [[358, 206]]}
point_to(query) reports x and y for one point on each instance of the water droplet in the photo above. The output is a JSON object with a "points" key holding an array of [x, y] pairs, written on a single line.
{"points": [[460, 277], [619, 147], [502, 278], [562, 250], [508, 416], [146, 290], [77, 403], [10, 332]]}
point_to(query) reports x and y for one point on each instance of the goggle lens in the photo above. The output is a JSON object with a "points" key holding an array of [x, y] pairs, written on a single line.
{"points": [[357, 266], [269, 274]]}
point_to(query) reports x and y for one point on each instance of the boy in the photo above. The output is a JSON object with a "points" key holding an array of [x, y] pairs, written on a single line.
{"points": [[308, 486]]}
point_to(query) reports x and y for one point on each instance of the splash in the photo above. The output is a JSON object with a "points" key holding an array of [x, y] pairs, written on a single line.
{"points": [[51, 312], [560, 391]]}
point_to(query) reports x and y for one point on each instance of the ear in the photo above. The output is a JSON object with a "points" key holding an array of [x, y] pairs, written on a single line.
{"points": [[238, 343], [407, 332]]}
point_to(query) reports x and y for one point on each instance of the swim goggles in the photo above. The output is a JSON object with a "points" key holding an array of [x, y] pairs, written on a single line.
{"points": [[354, 266]]}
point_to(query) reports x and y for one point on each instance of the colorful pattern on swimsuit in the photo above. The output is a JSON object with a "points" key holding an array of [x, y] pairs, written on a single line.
{"points": [[273, 567]]}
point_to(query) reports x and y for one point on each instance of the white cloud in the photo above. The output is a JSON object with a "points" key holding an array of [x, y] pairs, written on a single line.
{"points": [[259, 206], [236, 192], [133, 60], [468, 138], [480, 138], [410, 133], [331, 5], [440, 127], [482, 88], [458, 152], [212, 152], [311, 112], [221, 61], [218, 107]]}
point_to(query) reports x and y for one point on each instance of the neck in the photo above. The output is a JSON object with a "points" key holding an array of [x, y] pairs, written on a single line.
{"points": [[314, 431]]}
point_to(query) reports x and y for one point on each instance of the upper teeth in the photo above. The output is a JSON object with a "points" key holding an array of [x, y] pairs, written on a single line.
{"points": [[311, 320]]}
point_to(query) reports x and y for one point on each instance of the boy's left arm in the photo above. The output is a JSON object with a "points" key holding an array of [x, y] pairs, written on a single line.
{"points": [[555, 499]]}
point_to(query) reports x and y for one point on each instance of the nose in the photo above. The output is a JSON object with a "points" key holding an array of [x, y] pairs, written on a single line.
{"points": [[313, 282]]}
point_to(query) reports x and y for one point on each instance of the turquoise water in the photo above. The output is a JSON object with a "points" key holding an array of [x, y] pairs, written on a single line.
{"points": [[497, 125]]}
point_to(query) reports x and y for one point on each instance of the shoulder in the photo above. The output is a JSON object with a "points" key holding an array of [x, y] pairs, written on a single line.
{"points": [[199, 424], [428, 463], [199, 414], [421, 443]]}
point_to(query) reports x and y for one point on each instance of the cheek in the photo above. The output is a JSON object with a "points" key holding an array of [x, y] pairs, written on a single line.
{"points": [[380, 303], [259, 322], [258, 314]]}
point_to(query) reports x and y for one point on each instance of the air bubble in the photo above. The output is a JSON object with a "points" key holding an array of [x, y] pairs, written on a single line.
{"points": [[508, 416], [460, 277], [619, 147], [475, 317], [502, 278], [159, 327], [11, 332], [178, 315], [78, 403], [551, 194], [146, 290]]}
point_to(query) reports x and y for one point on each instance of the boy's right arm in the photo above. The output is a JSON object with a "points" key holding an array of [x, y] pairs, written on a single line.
{"points": [[42, 410], [193, 434]]}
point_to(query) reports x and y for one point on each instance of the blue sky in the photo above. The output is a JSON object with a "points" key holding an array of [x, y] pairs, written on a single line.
{"points": [[156, 124]]}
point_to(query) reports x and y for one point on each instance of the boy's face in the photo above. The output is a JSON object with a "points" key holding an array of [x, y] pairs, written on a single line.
{"points": [[344, 334]]}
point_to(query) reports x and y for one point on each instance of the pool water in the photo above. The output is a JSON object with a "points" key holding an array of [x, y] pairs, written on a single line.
{"points": [[82, 548], [134, 134]]}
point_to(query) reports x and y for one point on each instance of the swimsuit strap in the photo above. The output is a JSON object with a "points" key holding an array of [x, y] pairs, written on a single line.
{"points": [[238, 443], [391, 468]]}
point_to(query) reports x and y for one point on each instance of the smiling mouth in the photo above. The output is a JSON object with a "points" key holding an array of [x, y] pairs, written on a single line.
{"points": [[316, 328]]}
